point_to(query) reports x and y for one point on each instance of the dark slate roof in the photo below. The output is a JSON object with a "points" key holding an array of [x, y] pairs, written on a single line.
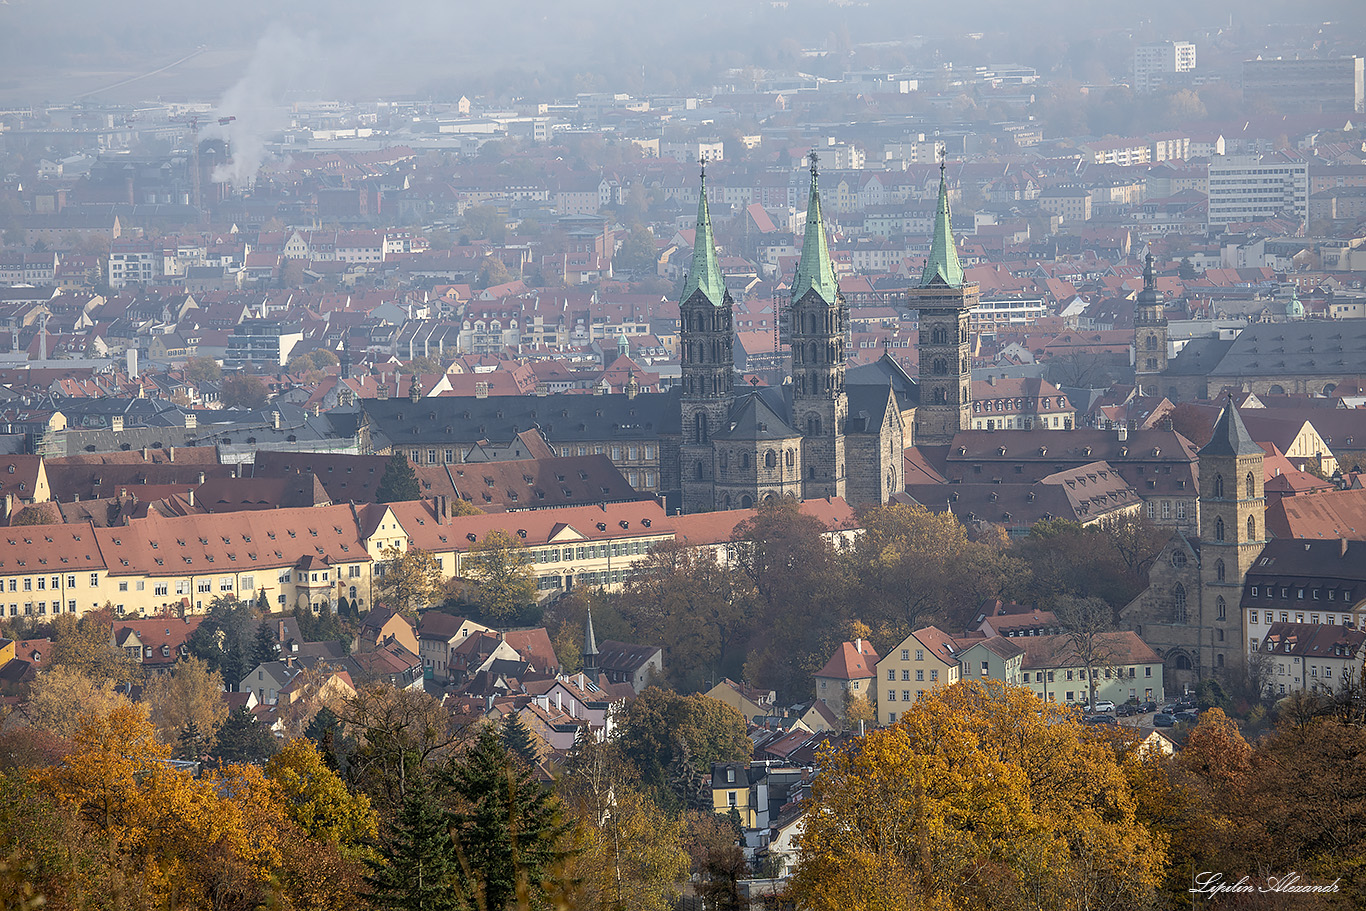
{"points": [[1230, 436], [1317, 347], [560, 418], [1199, 357], [867, 408], [751, 418]]}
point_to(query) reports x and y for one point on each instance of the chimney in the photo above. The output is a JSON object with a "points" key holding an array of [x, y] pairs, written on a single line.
{"points": [[170, 453], [275, 420], [145, 454], [1123, 431], [116, 423], [1342, 547], [201, 477], [858, 646], [991, 379], [189, 495]]}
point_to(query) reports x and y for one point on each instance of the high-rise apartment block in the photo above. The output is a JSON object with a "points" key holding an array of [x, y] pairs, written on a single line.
{"points": [[1330, 85], [1252, 187], [1156, 65]]}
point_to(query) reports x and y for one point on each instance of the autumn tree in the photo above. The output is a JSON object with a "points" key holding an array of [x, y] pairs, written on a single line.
{"points": [[784, 558], [683, 597], [412, 579], [420, 364], [1088, 626], [399, 481], [625, 848], [190, 694], [199, 370], [982, 795], [86, 646], [318, 801], [61, 697], [243, 391], [659, 726], [506, 580], [395, 736]]}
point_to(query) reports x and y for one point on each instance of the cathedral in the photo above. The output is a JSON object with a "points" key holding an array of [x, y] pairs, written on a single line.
{"points": [[828, 430]]}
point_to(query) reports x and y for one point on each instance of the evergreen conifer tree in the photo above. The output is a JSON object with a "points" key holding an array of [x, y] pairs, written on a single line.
{"points": [[399, 482], [417, 869], [323, 730], [263, 646], [190, 743], [519, 740], [508, 830], [243, 739]]}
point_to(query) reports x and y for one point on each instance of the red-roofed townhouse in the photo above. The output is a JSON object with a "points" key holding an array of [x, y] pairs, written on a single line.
{"points": [[849, 672]]}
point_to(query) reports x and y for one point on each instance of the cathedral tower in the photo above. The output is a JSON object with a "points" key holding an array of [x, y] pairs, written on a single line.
{"points": [[945, 299], [1150, 334], [707, 361], [1232, 534], [819, 322]]}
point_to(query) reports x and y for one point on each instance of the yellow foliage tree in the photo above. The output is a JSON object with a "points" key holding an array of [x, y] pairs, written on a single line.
{"points": [[981, 796], [190, 694], [318, 800], [62, 696], [412, 579]]}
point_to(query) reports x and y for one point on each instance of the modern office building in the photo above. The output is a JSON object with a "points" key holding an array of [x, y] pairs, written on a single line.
{"points": [[1295, 86], [1251, 187], [1157, 65]]}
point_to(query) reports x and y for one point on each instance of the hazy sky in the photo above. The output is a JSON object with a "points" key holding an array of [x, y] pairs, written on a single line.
{"points": [[58, 49]]}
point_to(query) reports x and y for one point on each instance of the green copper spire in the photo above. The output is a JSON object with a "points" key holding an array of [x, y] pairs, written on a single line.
{"points": [[706, 269], [815, 270], [942, 268]]}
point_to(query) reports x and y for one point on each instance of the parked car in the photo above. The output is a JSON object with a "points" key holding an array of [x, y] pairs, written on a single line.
{"points": [[1099, 719], [1163, 720], [1103, 705], [1127, 710], [1146, 707], [1187, 716]]}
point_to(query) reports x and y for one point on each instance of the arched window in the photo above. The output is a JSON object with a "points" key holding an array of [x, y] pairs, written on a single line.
{"points": [[1152, 342], [746, 502], [813, 425], [1219, 529], [1251, 486], [1276, 390], [814, 358], [939, 397], [744, 460], [770, 459], [1219, 570], [939, 336], [941, 367], [1179, 613], [1179, 559], [1183, 663], [1251, 528], [700, 428], [1221, 607], [1218, 486], [701, 471], [1219, 660], [791, 458]]}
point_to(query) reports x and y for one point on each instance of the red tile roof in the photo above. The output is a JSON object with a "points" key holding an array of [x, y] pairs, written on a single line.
{"points": [[851, 661]]}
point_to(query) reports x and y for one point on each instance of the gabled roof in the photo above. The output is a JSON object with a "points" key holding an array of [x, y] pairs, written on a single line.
{"points": [[751, 418]]}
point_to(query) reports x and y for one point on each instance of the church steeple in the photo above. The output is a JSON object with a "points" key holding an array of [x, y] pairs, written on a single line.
{"points": [[1150, 333], [707, 361], [944, 299], [590, 646], [815, 270], [942, 269], [705, 275]]}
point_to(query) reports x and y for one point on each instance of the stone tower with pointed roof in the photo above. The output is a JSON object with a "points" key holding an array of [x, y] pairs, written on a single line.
{"points": [[819, 322], [1232, 533], [1150, 334], [944, 299], [705, 312]]}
